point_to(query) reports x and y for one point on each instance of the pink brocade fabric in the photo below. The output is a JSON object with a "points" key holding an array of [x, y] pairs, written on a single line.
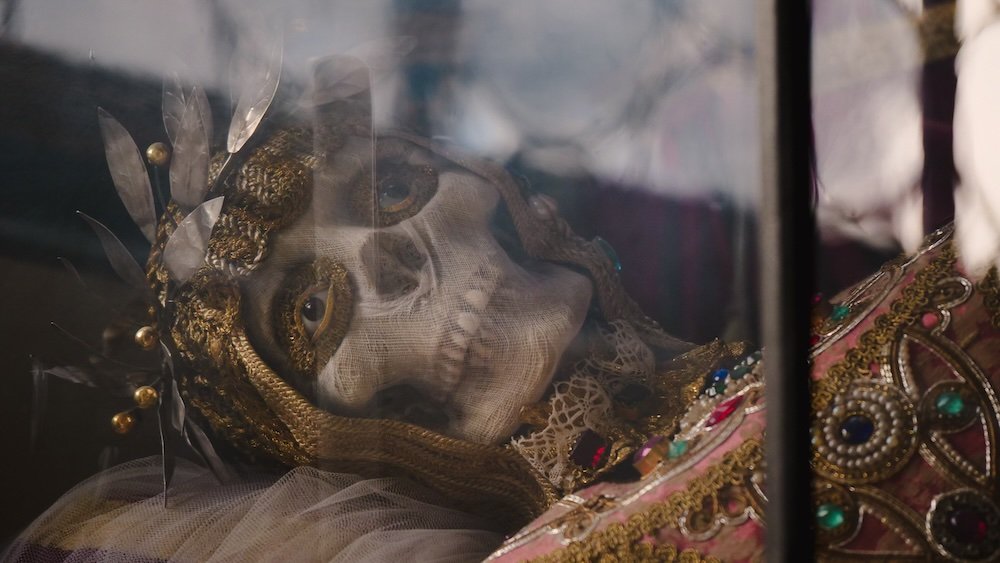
{"points": [[952, 314]]}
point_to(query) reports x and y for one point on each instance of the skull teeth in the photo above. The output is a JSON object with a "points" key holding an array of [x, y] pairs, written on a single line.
{"points": [[455, 354], [477, 298], [479, 349], [468, 322], [450, 373]]}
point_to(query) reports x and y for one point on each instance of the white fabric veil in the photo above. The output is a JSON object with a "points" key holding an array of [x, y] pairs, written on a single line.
{"points": [[303, 515]]}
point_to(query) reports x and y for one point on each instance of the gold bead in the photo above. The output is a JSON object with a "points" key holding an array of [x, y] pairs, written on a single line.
{"points": [[146, 397], [123, 422], [158, 154], [145, 338]]}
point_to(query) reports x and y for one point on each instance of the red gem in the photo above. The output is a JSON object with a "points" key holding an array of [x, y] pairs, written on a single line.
{"points": [[968, 525], [723, 410], [814, 340], [817, 299], [590, 451], [929, 320]]}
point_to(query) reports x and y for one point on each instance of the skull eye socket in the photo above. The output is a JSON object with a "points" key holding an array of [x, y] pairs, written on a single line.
{"points": [[394, 196], [401, 190], [312, 312]]}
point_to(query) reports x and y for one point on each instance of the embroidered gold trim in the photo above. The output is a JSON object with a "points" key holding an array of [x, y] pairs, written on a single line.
{"points": [[309, 352], [902, 312], [990, 287], [623, 541]]}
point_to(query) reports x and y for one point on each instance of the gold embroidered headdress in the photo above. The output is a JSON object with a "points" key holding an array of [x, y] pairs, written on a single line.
{"points": [[203, 250]]}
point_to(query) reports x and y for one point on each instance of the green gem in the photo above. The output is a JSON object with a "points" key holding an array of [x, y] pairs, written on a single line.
{"points": [[720, 387], [739, 372], [677, 449], [840, 312], [949, 403], [829, 516]]}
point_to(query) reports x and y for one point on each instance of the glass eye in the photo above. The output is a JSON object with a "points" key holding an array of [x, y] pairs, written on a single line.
{"points": [[314, 312], [312, 309], [400, 192], [394, 195]]}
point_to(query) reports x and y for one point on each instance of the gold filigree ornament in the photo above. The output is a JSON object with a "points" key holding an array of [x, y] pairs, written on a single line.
{"points": [[964, 525], [626, 541], [920, 375], [907, 307]]}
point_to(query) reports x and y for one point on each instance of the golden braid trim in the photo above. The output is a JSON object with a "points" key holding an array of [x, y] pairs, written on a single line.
{"points": [[623, 541], [902, 312], [488, 480], [990, 289]]}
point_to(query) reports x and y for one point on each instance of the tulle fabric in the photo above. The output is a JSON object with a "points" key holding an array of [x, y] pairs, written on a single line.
{"points": [[303, 515]]}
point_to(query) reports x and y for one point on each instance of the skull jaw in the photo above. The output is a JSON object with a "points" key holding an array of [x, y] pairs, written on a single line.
{"points": [[509, 359]]}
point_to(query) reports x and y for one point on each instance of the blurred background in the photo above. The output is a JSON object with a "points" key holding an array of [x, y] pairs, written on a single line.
{"points": [[639, 117]]}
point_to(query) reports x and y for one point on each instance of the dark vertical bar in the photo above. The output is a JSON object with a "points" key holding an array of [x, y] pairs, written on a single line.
{"points": [[786, 246]]}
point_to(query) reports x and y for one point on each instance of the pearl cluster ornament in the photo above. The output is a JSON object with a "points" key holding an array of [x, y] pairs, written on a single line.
{"points": [[866, 433]]}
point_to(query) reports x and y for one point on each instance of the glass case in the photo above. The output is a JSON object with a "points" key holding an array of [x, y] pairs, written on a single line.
{"points": [[467, 279]]}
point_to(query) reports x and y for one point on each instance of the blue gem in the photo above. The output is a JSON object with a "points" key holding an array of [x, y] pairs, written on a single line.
{"points": [[609, 251], [857, 429], [720, 375]]}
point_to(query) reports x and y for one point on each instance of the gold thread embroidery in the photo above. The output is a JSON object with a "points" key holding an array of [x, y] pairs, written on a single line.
{"points": [[623, 541], [990, 287], [901, 313], [309, 352]]}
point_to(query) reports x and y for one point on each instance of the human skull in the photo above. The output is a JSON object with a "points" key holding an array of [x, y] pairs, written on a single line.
{"points": [[447, 329]]}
